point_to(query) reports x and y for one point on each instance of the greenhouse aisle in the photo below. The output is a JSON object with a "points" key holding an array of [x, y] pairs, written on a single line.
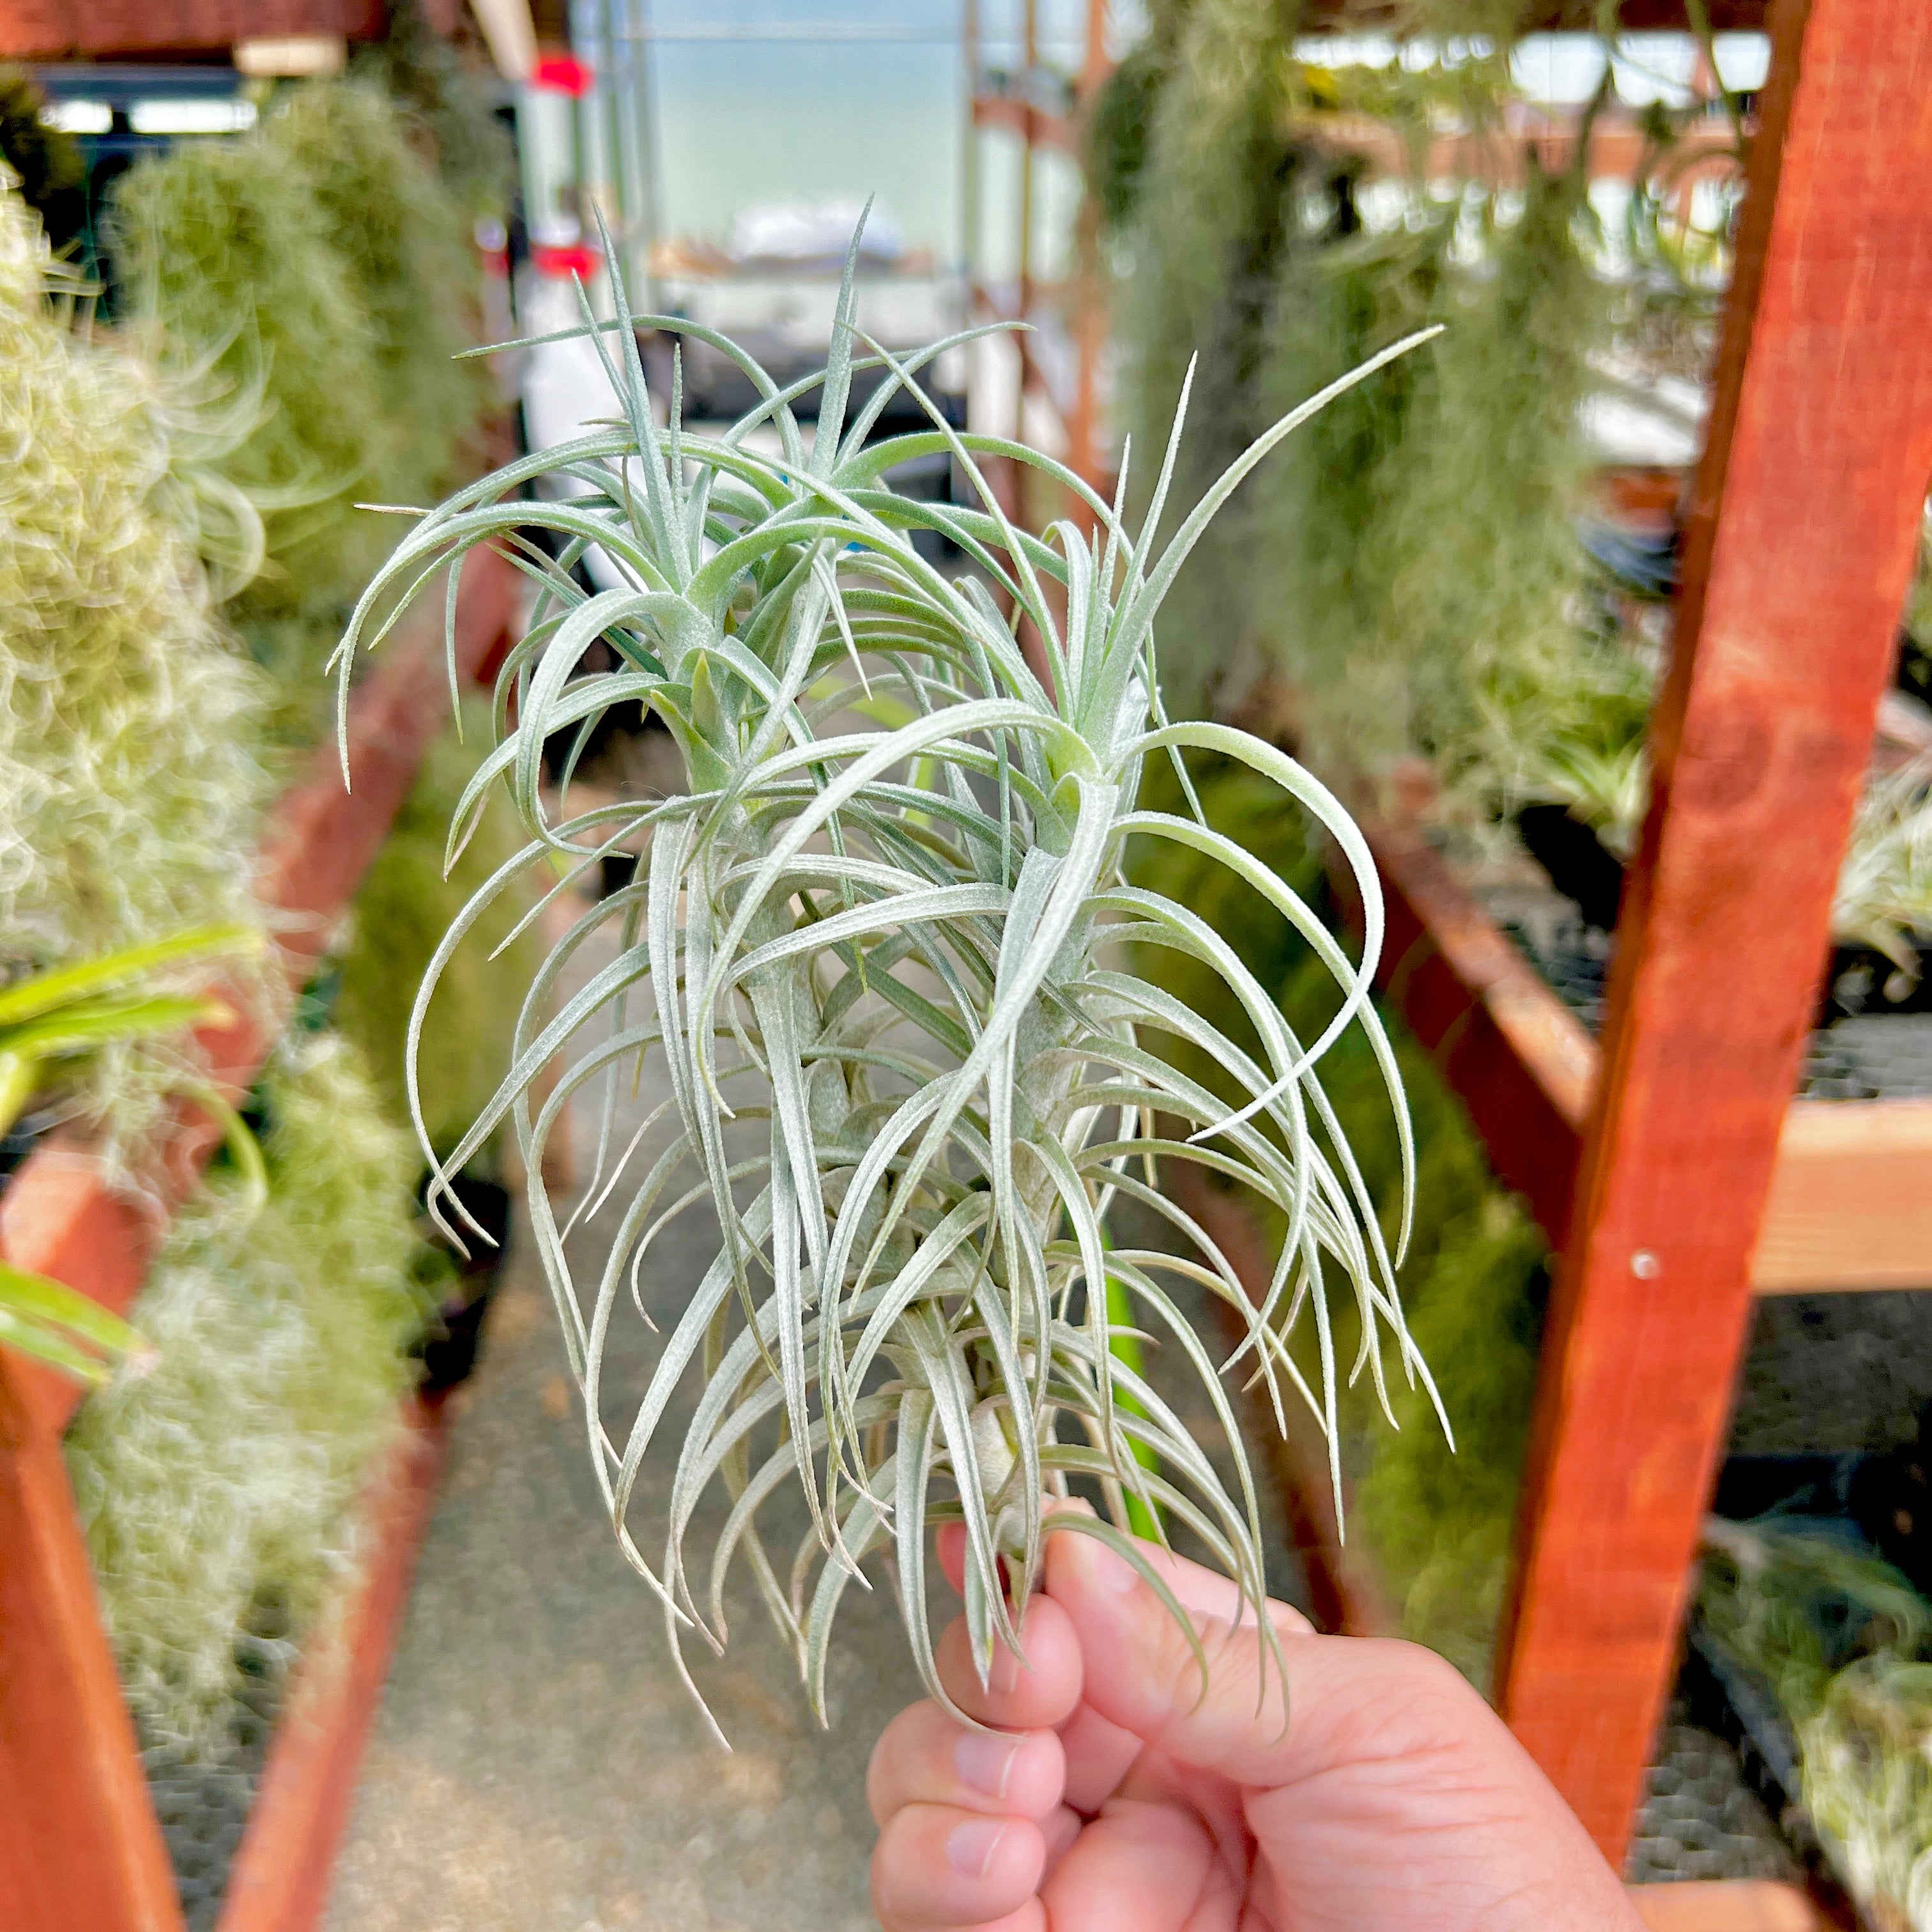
{"points": [[537, 1766]]}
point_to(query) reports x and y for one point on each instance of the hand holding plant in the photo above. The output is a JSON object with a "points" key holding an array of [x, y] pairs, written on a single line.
{"points": [[1112, 1791]]}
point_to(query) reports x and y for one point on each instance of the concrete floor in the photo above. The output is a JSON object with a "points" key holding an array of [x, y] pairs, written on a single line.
{"points": [[538, 1768]]}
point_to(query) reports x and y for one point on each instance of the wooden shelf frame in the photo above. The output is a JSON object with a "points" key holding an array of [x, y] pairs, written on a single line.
{"points": [[81, 1848], [1850, 1206], [47, 30], [1675, 1174]]}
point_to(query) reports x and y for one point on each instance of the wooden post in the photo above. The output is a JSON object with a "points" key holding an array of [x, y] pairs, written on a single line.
{"points": [[80, 1848], [1797, 558]]}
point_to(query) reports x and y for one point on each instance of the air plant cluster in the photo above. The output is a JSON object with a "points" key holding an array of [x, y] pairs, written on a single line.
{"points": [[1884, 896], [129, 786], [1839, 1637], [878, 959]]}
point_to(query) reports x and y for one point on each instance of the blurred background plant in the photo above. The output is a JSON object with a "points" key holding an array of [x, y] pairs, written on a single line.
{"points": [[215, 1476]]}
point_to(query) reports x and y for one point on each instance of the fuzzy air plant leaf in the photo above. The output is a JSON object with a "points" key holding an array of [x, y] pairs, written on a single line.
{"points": [[130, 783], [879, 951]]}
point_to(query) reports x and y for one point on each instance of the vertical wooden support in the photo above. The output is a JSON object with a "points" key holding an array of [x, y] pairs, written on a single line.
{"points": [[80, 1849], [1797, 560]]}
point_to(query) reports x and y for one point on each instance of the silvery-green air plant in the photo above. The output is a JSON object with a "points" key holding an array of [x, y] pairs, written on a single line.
{"points": [[879, 953]]}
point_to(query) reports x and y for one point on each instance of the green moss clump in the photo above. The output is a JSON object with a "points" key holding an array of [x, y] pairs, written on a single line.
{"points": [[219, 1477], [404, 908]]}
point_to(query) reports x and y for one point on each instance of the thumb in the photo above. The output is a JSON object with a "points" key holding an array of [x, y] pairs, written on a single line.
{"points": [[1390, 1750], [1143, 1674], [1351, 1698]]}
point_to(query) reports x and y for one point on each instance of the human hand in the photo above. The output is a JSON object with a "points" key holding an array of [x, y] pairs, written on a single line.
{"points": [[1113, 1796]]}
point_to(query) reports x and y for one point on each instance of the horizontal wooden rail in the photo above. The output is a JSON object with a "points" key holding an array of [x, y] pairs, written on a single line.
{"points": [[80, 1848], [103, 29], [1727, 1905], [1851, 1196]]}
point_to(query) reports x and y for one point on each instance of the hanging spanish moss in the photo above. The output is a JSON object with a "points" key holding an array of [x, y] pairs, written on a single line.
{"points": [[1209, 220], [426, 75], [217, 1479], [223, 247], [319, 260], [413, 275], [130, 788]]}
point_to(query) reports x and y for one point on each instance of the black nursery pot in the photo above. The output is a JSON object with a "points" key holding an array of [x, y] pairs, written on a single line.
{"points": [[1855, 980], [1580, 866], [448, 1350], [20, 1139]]}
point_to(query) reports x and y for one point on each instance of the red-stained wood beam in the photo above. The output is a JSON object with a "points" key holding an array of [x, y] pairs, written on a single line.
{"points": [[1798, 555], [103, 29], [80, 1850], [80, 1847], [279, 1881], [1520, 1061]]}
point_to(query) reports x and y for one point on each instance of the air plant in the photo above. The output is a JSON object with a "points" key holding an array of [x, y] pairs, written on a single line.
{"points": [[1438, 1522], [879, 952], [1884, 898], [1868, 1784], [1838, 1635]]}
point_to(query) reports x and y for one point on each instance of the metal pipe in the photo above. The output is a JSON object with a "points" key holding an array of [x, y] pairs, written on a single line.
{"points": [[596, 179], [630, 82]]}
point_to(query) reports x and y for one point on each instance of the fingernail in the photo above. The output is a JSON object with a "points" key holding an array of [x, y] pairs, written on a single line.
{"points": [[1003, 1674], [970, 1847], [985, 1760]]}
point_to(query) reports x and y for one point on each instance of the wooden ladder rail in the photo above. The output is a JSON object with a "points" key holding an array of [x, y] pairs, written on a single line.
{"points": [[1797, 554]]}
